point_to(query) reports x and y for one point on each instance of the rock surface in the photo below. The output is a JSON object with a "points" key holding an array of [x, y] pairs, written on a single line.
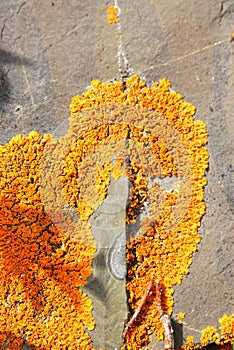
{"points": [[107, 285], [51, 50]]}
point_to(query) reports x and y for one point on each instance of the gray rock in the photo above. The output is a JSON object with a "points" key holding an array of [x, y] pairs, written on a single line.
{"points": [[107, 285]]}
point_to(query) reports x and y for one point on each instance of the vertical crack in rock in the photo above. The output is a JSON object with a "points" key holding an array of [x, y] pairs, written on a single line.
{"points": [[124, 68], [107, 285]]}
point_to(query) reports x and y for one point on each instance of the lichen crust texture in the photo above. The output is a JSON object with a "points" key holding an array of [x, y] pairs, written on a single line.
{"points": [[112, 14], [50, 187]]}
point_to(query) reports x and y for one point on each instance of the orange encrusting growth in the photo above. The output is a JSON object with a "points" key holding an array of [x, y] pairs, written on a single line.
{"points": [[41, 267], [164, 245], [226, 334], [112, 14], [224, 338], [49, 188]]}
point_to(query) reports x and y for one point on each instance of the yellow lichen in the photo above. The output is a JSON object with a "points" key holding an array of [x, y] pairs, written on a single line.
{"points": [[227, 327], [190, 341], [140, 132], [180, 317], [112, 14], [41, 267], [150, 118], [209, 334]]}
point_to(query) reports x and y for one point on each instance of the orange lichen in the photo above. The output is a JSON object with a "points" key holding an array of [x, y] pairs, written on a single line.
{"points": [[49, 188], [190, 341], [209, 335], [180, 317], [112, 14], [164, 140], [41, 268], [227, 327]]}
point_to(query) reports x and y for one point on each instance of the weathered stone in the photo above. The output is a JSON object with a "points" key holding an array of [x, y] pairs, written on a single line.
{"points": [[107, 285]]}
